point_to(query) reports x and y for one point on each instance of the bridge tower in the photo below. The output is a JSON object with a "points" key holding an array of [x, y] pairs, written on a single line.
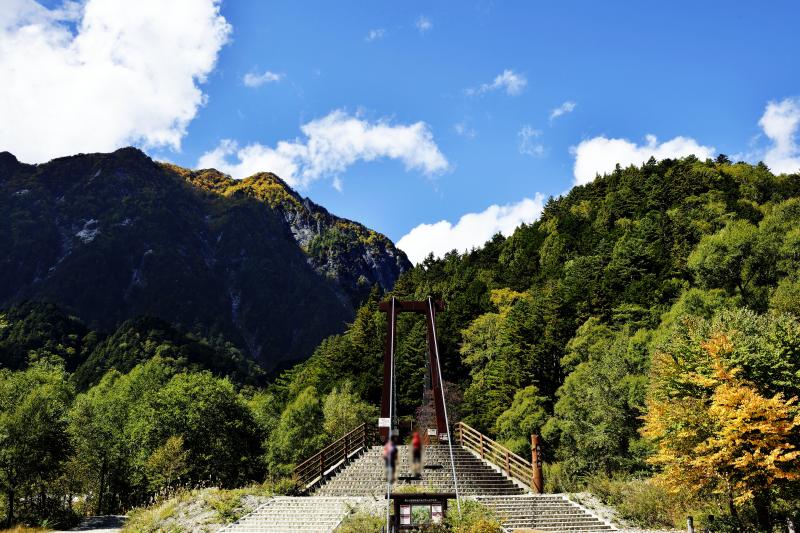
{"points": [[429, 309]]}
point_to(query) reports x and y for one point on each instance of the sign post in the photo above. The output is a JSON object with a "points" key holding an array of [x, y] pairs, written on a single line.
{"points": [[415, 510]]}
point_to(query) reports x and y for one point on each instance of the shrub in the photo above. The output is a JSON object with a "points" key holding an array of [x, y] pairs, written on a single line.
{"points": [[361, 522], [640, 501], [557, 479], [474, 518], [285, 486]]}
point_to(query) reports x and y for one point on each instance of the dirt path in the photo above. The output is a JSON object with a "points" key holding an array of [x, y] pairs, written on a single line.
{"points": [[100, 524]]}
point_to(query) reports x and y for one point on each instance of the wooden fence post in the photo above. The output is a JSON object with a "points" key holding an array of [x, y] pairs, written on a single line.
{"points": [[482, 456], [537, 479], [321, 465], [508, 467]]}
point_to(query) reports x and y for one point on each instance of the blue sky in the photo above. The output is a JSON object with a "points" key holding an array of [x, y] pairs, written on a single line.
{"points": [[479, 80]]}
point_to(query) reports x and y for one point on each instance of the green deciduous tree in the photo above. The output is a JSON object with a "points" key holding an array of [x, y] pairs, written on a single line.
{"points": [[167, 464], [722, 408], [525, 417], [33, 434], [343, 410], [595, 421], [220, 435], [106, 445], [297, 434], [728, 259]]}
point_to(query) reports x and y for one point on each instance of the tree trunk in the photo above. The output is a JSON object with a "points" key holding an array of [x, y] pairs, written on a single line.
{"points": [[733, 511], [102, 488], [10, 509], [761, 502]]}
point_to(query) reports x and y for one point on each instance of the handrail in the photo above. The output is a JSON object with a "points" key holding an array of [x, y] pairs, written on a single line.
{"points": [[512, 464], [313, 470]]}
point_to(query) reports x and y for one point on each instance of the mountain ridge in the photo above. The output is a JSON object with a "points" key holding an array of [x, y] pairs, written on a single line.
{"points": [[313, 227], [113, 236]]}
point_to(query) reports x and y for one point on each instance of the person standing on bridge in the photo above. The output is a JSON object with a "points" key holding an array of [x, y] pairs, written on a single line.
{"points": [[390, 458], [416, 446]]}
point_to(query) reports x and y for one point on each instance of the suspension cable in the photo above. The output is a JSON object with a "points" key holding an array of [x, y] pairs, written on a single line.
{"points": [[390, 471], [444, 403]]}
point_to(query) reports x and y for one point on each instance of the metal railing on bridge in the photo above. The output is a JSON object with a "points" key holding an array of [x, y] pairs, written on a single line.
{"points": [[324, 463], [512, 464]]}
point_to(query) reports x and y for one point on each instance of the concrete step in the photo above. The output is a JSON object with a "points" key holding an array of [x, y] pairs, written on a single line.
{"points": [[366, 475], [284, 514], [544, 513]]}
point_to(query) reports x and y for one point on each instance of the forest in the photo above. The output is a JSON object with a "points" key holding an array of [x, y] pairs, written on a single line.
{"points": [[647, 326]]}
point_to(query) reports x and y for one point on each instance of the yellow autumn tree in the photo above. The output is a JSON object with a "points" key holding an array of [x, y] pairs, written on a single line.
{"points": [[716, 432]]}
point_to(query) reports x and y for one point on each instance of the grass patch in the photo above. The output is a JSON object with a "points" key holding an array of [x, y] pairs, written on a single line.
{"points": [[361, 522], [156, 518], [640, 501], [203, 509], [199, 509], [229, 504], [474, 518]]}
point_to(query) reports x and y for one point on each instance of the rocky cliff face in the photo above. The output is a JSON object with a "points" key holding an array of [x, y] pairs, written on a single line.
{"points": [[352, 256], [114, 236]]}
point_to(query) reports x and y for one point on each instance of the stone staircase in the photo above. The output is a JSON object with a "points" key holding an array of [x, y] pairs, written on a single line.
{"points": [[361, 483], [544, 512], [286, 514], [366, 476]]}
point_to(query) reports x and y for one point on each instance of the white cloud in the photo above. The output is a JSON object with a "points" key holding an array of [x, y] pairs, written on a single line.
{"points": [[471, 231], [508, 80], [463, 129], [780, 123], [375, 35], [332, 143], [563, 109], [118, 73], [423, 24], [253, 79], [528, 144], [600, 155]]}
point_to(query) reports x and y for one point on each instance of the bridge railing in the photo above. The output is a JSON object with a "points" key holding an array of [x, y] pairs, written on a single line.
{"points": [[512, 464], [322, 464]]}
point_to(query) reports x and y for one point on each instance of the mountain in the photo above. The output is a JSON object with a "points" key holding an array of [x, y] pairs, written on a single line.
{"points": [[353, 256], [110, 237]]}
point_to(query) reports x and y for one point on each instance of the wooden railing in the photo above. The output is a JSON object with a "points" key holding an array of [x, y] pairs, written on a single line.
{"points": [[512, 464], [315, 469]]}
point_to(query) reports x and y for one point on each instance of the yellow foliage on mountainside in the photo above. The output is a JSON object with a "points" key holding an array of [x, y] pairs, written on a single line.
{"points": [[268, 187]]}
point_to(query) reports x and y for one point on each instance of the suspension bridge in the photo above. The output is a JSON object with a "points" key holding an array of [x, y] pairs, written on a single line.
{"points": [[459, 463]]}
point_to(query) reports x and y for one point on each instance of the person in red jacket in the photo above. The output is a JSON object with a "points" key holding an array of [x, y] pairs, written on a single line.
{"points": [[416, 446]]}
